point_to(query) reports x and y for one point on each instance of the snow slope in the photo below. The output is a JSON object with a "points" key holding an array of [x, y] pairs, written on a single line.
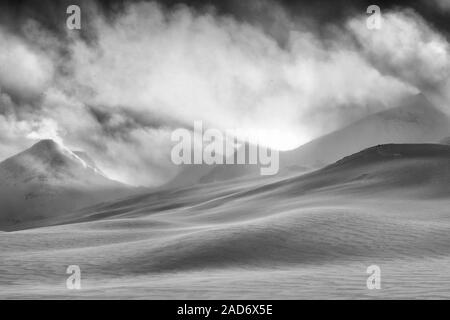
{"points": [[308, 236], [47, 180]]}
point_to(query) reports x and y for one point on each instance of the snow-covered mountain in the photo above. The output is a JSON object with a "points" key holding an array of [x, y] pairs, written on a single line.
{"points": [[416, 120], [48, 180]]}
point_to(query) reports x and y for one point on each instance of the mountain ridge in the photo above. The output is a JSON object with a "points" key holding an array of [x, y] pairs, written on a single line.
{"points": [[47, 180], [415, 120]]}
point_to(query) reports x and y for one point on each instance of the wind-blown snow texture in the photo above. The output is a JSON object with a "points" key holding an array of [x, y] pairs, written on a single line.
{"points": [[305, 236]]}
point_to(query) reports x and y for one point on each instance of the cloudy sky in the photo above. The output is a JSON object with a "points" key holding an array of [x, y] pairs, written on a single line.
{"points": [[136, 71]]}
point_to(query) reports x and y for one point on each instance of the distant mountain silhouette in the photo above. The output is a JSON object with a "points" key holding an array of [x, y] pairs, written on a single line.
{"points": [[416, 120], [47, 180]]}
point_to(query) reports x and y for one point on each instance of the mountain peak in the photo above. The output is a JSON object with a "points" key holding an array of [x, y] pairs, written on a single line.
{"points": [[420, 101], [48, 179], [51, 159], [47, 142], [52, 153], [45, 146], [416, 109], [48, 148]]}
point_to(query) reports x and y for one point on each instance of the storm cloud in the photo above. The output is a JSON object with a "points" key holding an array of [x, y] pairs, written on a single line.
{"points": [[138, 70]]}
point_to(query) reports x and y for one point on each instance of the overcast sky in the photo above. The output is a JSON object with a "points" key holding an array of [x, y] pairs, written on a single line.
{"points": [[138, 70]]}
